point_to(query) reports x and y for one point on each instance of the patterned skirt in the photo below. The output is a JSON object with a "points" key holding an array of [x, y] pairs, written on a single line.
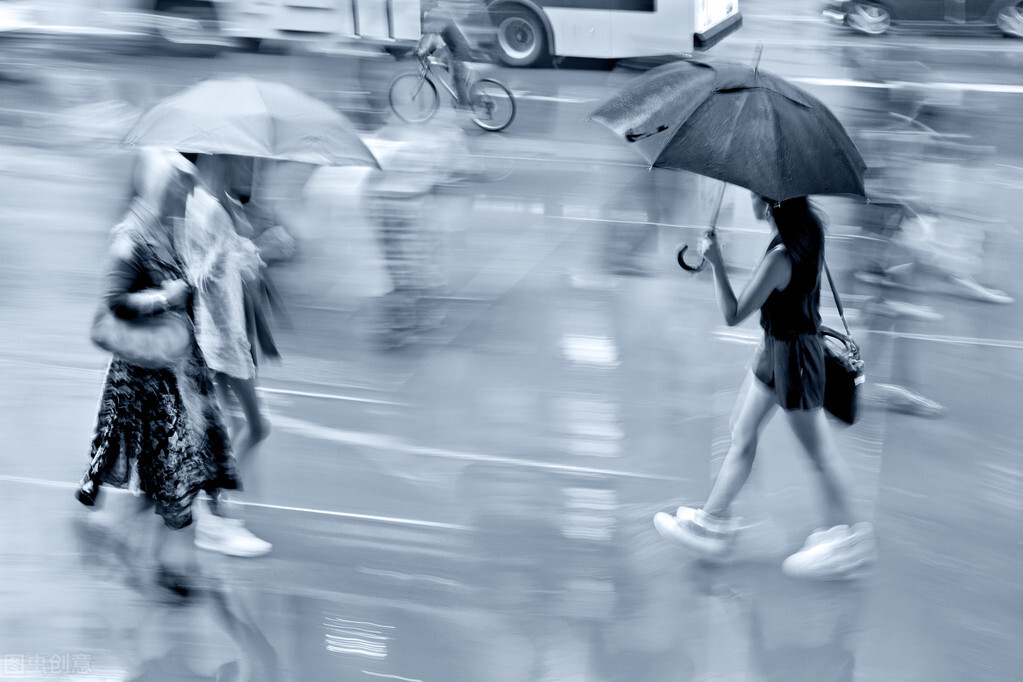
{"points": [[160, 432]]}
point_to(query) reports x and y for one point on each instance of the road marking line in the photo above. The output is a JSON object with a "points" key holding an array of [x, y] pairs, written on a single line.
{"points": [[895, 85], [563, 159], [326, 396], [263, 505], [783, 17], [384, 442], [840, 42], [351, 515], [391, 677], [554, 98], [952, 340], [262, 389]]}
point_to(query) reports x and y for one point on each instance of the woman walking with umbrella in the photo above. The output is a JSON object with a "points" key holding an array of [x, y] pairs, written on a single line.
{"points": [[743, 126], [788, 373], [159, 430], [241, 117]]}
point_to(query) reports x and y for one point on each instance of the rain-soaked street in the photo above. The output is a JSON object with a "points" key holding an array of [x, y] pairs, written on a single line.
{"points": [[475, 505]]}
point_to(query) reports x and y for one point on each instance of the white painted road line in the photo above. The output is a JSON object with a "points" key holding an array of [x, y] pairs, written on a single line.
{"points": [[25, 480], [525, 94], [1009, 344], [357, 517], [851, 40], [997, 88], [385, 442], [326, 396]]}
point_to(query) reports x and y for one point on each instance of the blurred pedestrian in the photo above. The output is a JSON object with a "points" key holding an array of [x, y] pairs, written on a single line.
{"points": [[159, 432], [401, 202], [789, 373], [220, 265]]}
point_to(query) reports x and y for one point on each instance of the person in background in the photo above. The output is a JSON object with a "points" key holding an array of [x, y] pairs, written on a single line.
{"points": [[220, 264], [400, 200]]}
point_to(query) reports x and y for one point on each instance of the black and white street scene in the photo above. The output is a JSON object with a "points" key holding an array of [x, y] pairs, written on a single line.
{"points": [[511, 340]]}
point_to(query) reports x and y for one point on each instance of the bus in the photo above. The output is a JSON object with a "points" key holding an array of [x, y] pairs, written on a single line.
{"points": [[530, 32], [519, 32]]}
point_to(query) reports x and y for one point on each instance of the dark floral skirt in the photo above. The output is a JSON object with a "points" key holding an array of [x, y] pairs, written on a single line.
{"points": [[160, 432]]}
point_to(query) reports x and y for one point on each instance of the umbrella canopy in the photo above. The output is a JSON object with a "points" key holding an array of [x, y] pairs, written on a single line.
{"points": [[737, 124], [247, 117]]}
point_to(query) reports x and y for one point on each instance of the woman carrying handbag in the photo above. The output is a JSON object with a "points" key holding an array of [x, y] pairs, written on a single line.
{"points": [[159, 431], [789, 373]]}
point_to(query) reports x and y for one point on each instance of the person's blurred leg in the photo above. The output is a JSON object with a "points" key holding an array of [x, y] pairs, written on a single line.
{"points": [[709, 531], [460, 79], [257, 425], [757, 405], [814, 433]]}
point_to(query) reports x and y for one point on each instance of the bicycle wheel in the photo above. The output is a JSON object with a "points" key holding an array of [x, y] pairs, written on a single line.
{"points": [[493, 106], [413, 98]]}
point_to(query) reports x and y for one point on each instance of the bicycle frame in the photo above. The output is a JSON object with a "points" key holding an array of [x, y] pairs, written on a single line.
{"points": [[426, 70]]}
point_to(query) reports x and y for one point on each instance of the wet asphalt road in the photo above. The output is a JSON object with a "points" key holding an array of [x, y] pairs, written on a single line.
{"points": [[477, 506]]}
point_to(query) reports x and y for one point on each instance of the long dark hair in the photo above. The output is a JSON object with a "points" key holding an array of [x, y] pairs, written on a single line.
{"points": [[801, 229]]}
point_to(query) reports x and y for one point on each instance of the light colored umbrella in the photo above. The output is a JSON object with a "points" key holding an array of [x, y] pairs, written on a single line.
{"points": [[247, 117]]}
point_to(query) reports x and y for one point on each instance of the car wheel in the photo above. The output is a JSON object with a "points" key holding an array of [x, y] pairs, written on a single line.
{"points": [[866, 17], [521, 39], [1010, 21]]}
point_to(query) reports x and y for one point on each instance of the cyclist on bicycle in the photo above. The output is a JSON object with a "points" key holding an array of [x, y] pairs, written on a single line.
{"points": [[439, 31]]}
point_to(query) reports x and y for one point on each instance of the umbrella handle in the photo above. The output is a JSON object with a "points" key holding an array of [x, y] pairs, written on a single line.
{"points": [[713, 226], [686, 266]]}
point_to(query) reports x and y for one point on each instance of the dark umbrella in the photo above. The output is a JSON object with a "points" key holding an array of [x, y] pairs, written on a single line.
{"points": [[737, 124]]}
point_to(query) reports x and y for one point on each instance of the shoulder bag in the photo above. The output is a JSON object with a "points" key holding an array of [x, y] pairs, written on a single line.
{"points": [[155, 342], [843, 367]]}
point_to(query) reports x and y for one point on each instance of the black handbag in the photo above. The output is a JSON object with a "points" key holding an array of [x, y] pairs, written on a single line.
{"points": [[843, 366]]}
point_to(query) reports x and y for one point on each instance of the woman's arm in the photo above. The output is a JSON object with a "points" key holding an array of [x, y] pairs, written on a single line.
{"points": [[772, 274], [125, 274]]}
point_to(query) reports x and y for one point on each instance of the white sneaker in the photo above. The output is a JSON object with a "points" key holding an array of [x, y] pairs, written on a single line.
{"points": [[697, 531], [838, 553], [228, 536], [901, 399], [971, 288]]}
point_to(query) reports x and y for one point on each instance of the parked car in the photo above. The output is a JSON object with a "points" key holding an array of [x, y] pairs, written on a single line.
{"points": [[875, 17]]}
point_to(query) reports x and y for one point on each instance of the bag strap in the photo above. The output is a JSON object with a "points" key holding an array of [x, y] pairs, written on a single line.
{"points": [[838, 301]]}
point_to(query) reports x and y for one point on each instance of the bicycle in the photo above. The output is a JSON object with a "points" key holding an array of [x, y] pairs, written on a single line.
{"points": [[414, 97]]}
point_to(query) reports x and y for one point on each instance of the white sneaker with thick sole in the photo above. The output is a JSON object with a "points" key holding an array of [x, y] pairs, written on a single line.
{"points": [[838, 553], [695, 530], [228, 536]]}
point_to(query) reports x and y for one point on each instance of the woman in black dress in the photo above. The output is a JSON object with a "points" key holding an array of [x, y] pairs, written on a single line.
{"points": [[159, 432], [788, 373]]}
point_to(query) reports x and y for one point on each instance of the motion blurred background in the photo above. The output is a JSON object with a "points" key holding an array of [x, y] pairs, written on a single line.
{"points": [[471, 500]]}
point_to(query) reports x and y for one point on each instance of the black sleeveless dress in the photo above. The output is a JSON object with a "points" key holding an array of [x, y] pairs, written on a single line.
{"points": [[791, 360]]}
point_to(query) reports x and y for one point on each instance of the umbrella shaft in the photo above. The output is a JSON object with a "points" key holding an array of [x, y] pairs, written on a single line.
{"points": [[717, 208]]}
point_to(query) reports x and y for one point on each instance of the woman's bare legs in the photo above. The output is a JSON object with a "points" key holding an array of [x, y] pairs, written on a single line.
{"points": [[754, 409], [257, 427], [218, 531], [812, 430]]}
